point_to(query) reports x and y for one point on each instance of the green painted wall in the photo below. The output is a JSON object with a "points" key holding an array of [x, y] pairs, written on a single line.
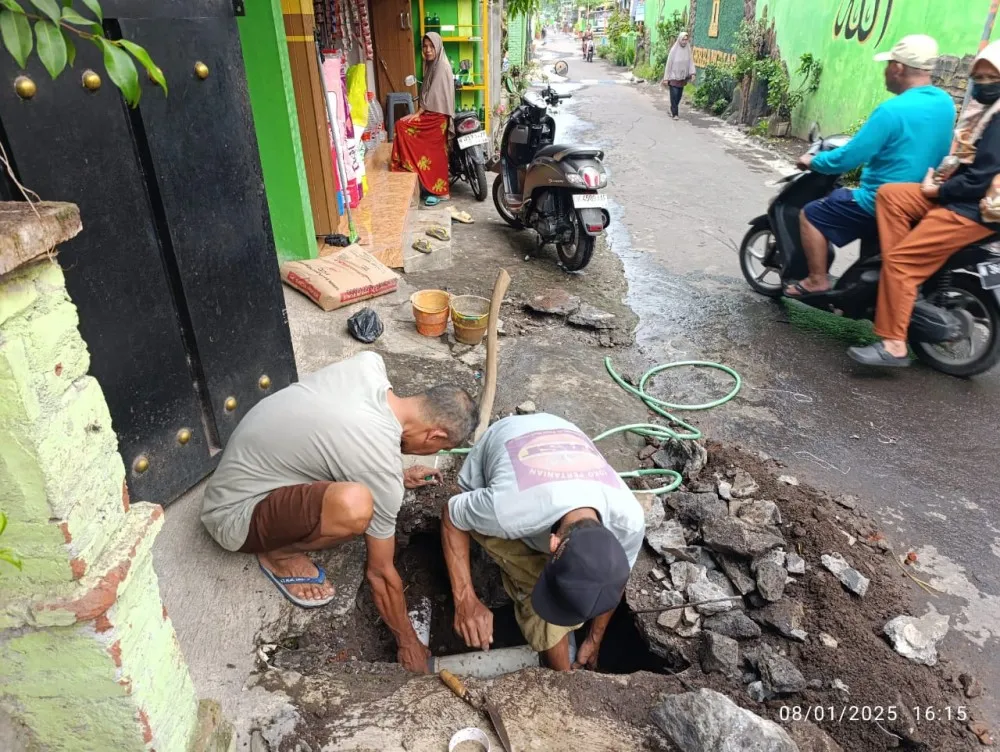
{"points": [[852, 83], [517, 39], [269, 80], [661, 10], [730, 17]]}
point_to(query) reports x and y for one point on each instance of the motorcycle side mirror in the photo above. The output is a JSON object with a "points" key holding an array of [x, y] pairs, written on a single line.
{"points": [[814, 133], [410, 80]]}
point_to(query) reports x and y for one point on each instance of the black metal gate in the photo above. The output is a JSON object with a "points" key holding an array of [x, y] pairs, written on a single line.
{"points": [[175, 274]]}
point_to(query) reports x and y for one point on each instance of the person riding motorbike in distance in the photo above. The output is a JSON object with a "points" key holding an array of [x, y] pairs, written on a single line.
{"points": [[902, 139], [949, 214]]}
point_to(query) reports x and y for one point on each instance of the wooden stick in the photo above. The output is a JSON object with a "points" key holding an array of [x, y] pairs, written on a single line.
{"points": [[490, 386]]}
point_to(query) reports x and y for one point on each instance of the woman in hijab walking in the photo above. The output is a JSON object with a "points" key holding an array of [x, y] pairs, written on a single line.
{"points": [[921, 226], [679, 72], [420, 143]]}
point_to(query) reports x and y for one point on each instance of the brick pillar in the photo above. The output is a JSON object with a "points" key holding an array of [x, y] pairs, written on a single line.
{"points": [[88, 657]]}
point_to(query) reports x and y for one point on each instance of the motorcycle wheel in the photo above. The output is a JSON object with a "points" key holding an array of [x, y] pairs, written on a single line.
{"points": [[575, 256], [753, 252], [477, 180], [966, 357], [505, 214]]}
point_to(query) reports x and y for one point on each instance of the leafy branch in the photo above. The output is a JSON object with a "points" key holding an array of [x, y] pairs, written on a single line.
{"points": [[5, 553], [52, 36]]}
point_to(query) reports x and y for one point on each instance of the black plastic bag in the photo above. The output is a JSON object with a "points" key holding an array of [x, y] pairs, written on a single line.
{"points": [[365, 326]]}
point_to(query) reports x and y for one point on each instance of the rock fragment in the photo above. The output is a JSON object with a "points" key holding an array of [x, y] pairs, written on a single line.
{"points": [[795, 564], [683, 573], [734, 624], [778, 673], [917, 639], [707, 721], [719, 654], [526, 408], [744, 486], [760, 513], [786, 616], [849, 577], [812, 738], [828, 641], [696, 508], [555, 301], [770, 572], [592, 317], [705, 590], [734, 536], [666, 537], [652, 509], [738, 572]]}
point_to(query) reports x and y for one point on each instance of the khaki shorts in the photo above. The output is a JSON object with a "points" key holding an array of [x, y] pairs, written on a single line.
{"points": [[520, 568]]}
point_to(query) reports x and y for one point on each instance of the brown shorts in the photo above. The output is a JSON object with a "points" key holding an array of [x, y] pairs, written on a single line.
{"points": [[285, 516]]}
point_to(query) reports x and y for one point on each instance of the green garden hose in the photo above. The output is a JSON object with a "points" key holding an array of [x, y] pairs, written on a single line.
{"points": [[660, 407]]}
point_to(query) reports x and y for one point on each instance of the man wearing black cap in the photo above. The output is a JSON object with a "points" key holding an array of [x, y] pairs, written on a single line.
{"points": [[563, 527]]}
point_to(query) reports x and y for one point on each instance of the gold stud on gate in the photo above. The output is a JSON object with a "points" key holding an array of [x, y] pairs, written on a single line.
{"points": [[25, 87], [201, 70], [91, 81], [230, 404], [184, 436], [265, 382], [141, 464]]}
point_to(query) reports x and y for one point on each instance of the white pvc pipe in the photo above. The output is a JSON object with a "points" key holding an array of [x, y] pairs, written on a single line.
{"points": [[489, 664]]}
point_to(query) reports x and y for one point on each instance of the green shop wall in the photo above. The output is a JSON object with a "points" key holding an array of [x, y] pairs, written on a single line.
{"points": [[845, 36], [731, 13], [661, 10], [466, 17], [272, 99]]}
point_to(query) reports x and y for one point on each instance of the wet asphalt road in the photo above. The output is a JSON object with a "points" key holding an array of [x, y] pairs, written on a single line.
{"points": [[920, 448]]}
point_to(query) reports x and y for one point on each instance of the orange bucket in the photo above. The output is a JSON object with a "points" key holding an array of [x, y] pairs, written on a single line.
{"points": [[469, 315], [430, 311]]}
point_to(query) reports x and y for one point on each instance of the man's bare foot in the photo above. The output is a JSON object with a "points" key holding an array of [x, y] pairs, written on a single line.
{"points": [[297, 565], [808, 286]]}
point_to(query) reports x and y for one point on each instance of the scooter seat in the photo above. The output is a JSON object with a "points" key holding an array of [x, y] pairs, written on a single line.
{"points": [[559, 152]]}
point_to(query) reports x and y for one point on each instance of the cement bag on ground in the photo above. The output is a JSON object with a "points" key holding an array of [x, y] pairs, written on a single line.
{"points": [[335, 281]]}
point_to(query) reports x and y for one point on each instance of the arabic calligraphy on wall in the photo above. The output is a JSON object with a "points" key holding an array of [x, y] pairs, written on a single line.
{"points": [[703, 57], [862, 19]]}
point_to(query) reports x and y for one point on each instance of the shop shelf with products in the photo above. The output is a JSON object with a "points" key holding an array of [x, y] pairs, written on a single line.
{"points": [[464, 29]]}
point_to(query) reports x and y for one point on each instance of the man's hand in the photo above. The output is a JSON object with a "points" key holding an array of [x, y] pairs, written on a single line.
{"points": [[413, 657], [586, 656], [417, 476], [804, 162], [474, 623], [929, 187]]}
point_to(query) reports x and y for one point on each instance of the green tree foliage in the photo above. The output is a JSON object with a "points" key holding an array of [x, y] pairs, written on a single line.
{"points": [[49, 28]]}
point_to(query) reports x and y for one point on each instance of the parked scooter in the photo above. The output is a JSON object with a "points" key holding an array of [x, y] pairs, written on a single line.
{"points": [[551, 188], [467, 158], [955, 327]]}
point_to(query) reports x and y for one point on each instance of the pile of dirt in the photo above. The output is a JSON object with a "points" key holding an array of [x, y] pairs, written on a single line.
{"points": [[855, 686]]}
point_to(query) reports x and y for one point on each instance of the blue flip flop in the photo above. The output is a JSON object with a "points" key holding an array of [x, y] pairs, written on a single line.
{"points": [[432, 201], [280, 582]]}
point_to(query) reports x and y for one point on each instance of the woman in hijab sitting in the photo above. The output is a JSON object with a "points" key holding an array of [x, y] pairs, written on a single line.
{"points": [[922, 225], [420, 143], [679, 72]]}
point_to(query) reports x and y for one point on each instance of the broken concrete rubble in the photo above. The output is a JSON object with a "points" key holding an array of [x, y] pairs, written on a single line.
{"points": [[525, 408], [769, 569], [734, 536], [849, 577], [704, 590], [811, 738], [786, 616], [734, 624], [667, 537], [696, 508], [706, 721], [683, 574], [555, 302], [738, 572], [779, 674], [719, 654], [828, 641], [744, 486], [795, 564], [917, 639], [591, 317], [670, 619], [686, 457], [652, 508], [760, 513]]}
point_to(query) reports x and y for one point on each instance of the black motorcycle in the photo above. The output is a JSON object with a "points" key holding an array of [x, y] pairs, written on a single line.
{"points": [[955, 326], [468, 155], [550, 188]]}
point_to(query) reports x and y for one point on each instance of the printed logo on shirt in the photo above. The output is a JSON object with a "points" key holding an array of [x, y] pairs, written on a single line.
{"points": [[557, 455]]}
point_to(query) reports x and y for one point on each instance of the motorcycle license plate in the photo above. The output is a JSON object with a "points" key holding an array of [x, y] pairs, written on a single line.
{"points": [[989, 274], [590, 201], [473, 139]]}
